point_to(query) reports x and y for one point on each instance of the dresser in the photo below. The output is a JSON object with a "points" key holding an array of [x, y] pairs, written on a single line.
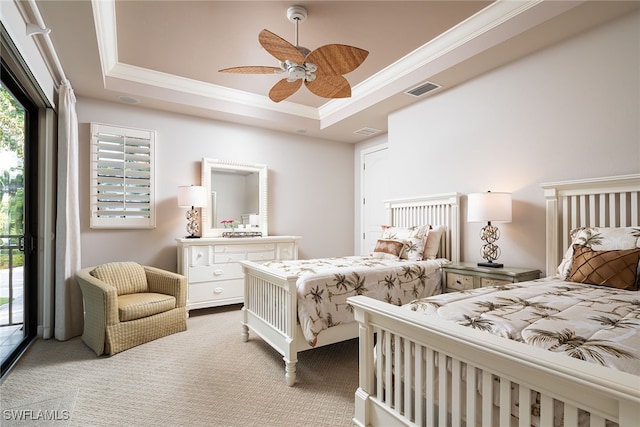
{"points": [[465, 276], [213, 272]]}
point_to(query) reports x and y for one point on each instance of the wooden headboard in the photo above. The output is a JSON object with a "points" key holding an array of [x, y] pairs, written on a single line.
{"points": [[598, 202], [439, 209]]}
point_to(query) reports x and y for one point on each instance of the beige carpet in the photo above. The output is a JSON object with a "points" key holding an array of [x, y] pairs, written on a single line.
{"points": [[206, 376]]}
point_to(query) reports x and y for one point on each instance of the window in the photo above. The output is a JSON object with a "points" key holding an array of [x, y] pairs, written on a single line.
{"points": [[122, 177]]}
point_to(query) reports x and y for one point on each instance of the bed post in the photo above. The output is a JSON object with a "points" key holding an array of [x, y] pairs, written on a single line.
{"points": [[551, 197], [365, 375]]}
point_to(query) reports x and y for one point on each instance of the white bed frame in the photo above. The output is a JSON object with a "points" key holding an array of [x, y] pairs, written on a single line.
{"points": [[434, 347], [270, 298]]}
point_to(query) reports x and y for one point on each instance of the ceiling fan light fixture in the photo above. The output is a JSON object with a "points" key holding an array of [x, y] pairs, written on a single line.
{"points": [[296, 73]]}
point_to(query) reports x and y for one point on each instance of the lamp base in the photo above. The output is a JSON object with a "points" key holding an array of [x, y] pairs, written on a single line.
{"points": [[490, 264], [192, 236]]}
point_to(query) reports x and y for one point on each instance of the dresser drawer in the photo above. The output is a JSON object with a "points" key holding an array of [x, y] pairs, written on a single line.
{"points": [[201, 292], [215, 272], [200, 255], [251, 256], [459, 282], [485, 281], [247, 247]]}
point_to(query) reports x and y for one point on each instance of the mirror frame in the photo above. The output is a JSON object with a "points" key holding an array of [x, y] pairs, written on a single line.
{"points": [[209, 165]]}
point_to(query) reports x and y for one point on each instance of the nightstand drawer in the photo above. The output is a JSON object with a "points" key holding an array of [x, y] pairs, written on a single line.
{"points": [[465, 276], [485, 281], [459, 282]]}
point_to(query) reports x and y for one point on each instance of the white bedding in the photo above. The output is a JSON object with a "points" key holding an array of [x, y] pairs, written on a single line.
{"points": [[588, 322], [325, 284]]}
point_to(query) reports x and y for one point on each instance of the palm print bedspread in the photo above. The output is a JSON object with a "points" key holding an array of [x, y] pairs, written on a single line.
{"points": [[325, 284], [588, 322]]}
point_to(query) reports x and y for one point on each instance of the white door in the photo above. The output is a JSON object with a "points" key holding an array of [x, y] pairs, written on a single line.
{"points": [[375, 190]]}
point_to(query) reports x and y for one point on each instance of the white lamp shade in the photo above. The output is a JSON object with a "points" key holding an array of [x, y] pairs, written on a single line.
{"points": [[192, 195], [489, 206]]}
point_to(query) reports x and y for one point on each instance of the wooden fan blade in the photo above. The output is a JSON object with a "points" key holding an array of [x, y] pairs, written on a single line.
{"points": [[251, 69], [337, 59], [279, 47], [330, 86], [284, 89]]}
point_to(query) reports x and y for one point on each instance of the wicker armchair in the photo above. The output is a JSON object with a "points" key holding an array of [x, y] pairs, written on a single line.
{"points": [[128, 304]]}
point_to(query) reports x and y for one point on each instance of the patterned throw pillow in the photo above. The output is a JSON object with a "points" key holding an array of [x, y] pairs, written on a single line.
{"points": [[414, 239], [388, 249], [599, 239], [615, 269]]}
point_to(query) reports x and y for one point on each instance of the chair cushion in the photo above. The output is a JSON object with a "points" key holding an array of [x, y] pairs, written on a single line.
{"points": [[127, 277], [145, 304]]}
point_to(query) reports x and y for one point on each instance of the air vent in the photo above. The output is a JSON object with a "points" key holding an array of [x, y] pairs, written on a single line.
{"points": [[367, 131], [422, 89]]}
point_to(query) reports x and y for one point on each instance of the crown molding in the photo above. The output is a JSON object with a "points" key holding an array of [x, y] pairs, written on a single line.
{"points": [[496, 23]]}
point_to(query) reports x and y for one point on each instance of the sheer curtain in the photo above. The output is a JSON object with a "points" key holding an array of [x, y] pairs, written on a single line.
{"points": [[67, 298]]}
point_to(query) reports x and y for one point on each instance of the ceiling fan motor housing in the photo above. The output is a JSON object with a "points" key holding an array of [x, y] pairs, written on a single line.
{"points": [[296, 13]]}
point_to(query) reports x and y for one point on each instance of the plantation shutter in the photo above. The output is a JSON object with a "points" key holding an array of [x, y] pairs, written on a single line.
{"points": [[122, 177]]}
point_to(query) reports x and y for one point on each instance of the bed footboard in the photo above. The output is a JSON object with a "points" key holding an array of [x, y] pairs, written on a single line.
{"points": [[270, 310], [418, 371]]}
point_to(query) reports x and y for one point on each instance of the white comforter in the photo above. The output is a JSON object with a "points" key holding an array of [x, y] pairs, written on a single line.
{"points": [[325, 284], [588, 322]]}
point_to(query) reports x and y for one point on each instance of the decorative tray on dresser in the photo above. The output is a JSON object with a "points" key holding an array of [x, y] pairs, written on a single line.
{"points": [[211, 266]]}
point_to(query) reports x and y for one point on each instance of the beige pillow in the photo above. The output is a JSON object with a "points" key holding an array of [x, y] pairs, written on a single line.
{"points": [[615, 269], [432, 245], [128, 277], [388, 249]]}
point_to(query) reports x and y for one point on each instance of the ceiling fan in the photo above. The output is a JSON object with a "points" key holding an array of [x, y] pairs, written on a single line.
{"points": [[321, 70]]}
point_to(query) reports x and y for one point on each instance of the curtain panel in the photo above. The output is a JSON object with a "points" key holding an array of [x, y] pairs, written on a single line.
{"points": [[67, 298]]}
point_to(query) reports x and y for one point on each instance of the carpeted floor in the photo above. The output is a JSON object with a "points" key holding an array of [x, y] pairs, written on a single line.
{"points": [[206, 376]]}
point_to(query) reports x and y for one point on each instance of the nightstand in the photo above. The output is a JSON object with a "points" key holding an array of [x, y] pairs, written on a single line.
{"points": [[467, 275]]}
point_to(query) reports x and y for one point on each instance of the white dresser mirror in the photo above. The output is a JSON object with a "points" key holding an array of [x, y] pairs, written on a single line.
{"points": [[237, 191]]}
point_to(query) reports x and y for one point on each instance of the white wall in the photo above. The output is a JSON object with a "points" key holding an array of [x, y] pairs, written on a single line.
{"points": [[310, 183], [570, 111]]}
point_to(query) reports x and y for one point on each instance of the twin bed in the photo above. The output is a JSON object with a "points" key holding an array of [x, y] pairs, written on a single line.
{"points": [[276, 297], [572, 356]]}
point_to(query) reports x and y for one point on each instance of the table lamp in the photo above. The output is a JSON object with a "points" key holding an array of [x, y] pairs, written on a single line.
{"points": [[192, 196], [489, 207]]}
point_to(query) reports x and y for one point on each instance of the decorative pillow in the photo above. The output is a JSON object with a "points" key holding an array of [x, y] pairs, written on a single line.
{"points": [[615, 269], [414, 239], [599, 239], [388, 249], [128, 277], [433, 242]]}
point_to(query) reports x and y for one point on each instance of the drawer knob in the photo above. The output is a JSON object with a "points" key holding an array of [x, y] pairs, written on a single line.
{"points": [[217, 291], [458, 282], [218, 272]]}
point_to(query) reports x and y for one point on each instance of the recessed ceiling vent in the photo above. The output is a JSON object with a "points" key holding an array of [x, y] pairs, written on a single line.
{"points": [[367, 131], [422, 89]]}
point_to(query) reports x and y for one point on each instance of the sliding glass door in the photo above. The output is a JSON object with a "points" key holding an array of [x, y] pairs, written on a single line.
{"points": [[18, 219]]}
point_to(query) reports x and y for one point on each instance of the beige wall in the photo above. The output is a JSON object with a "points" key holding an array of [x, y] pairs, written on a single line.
{"points": [[570, 111], [310, 183]]}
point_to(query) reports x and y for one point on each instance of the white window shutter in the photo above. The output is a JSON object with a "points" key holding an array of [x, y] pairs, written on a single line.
{"points": [[122, 177]]}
